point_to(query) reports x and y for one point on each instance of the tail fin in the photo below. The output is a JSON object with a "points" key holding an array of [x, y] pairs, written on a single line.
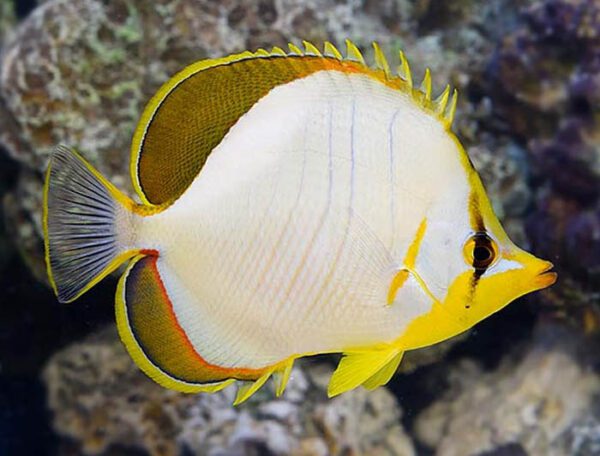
{"points": [[85, 217]]}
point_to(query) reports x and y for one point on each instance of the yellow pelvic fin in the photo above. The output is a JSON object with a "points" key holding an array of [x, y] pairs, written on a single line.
{"points": [[384, 374], [358, 367], [247, 389]]}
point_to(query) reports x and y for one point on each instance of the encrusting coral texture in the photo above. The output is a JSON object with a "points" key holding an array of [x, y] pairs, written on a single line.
{"points": [[102, 400], [528, 71]]}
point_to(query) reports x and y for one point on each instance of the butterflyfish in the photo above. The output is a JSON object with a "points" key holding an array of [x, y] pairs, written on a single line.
{"points": [[292, 203]]}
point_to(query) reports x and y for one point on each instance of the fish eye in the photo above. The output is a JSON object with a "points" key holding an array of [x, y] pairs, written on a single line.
{"points": [[480, 251]]}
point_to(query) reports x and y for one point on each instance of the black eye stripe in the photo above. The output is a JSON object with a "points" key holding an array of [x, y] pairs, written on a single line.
{"points": [[480, 252]]}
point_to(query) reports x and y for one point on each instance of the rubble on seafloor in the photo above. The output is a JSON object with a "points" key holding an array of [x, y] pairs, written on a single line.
{"points": [[7, 19], [544, 400], [101, 400]]}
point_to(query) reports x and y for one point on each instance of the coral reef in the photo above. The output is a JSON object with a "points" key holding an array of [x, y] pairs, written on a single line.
{"points": [[544, 80], [100, 399], [7, 19], [545, 402], [80, 71]]}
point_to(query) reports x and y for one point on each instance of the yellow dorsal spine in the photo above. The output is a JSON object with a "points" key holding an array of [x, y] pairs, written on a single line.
{"points": [[449, 116], [380, 60], [404, 70], [443, 107], [281, 377], [441, 102], [278, 51], [426, 85], [295, 50], [329, 50], [247, 389], [311, 49], [353, 53]]}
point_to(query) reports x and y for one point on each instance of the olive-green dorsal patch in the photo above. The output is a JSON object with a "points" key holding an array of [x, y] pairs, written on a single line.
{"points": [[193, 111]]}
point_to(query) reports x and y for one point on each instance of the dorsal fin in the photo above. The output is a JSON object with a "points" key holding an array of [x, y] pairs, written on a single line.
{"points": [[192, 112]]}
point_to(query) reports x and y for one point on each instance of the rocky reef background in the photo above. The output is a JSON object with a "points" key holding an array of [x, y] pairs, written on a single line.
{"points": [[525, 381]]}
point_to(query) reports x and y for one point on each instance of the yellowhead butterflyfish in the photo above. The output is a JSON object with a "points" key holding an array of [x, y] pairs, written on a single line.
{"points": [[292, 203]]}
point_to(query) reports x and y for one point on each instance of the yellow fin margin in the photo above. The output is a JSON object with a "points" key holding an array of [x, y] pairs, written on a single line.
{"points": [[402, 81], [282, 376], [247, 389], [136, 352]]}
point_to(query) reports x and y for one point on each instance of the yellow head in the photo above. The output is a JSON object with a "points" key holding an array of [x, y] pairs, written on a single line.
{"points": [[498, 272], [467, 262]]}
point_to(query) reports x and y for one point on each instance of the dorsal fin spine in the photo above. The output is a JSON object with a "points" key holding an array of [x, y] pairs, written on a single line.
{"points": [[329, 50], [449, 117], [441, 101], [444, 106], [380, 60], [278, 51], [311, 49], [404, 70], [353, 53], [295, 50], [426, 85]]}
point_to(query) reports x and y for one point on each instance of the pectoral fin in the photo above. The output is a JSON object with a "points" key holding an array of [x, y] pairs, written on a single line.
{"points": [[358, 367]]}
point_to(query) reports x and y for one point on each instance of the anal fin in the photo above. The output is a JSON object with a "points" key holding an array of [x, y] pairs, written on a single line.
{"points": [[247, 389], [281, 377], [149, 328], [358, 367]]}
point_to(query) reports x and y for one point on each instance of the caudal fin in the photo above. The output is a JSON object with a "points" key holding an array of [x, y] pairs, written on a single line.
{"points": [[85, 217]]}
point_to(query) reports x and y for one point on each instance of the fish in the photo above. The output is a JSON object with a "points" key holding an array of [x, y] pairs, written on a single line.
{"points": [[290, 203]]}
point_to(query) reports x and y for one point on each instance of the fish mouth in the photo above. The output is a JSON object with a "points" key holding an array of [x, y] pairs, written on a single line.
{"points": [[546, 276]]}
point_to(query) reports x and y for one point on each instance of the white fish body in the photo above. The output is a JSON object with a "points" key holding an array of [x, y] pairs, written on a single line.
{"points": [[320, 206], [318, 177]]}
